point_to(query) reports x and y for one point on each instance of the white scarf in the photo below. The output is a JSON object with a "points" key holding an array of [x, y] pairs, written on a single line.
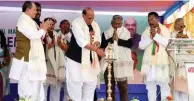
{"points": [[123, 65], [161, 57], [37, 65], [58, 64]]}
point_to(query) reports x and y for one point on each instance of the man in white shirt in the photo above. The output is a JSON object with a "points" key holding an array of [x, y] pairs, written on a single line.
{"points": [[28, 65], [82, 65], [181, 83], [122, 69], [155, 65]]}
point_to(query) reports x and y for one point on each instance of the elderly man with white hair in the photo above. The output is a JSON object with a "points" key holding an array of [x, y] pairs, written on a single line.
{"points": [[181, 84], [122, 71]]}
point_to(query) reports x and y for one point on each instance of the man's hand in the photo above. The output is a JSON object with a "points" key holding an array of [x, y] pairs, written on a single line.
{"points": [[5, 62], [59, 40], [134, 56], [97, 44], [152, 32], [46, 38], [50, 45], [46, 35], [189, 51], [100, 52], [115, 35]]}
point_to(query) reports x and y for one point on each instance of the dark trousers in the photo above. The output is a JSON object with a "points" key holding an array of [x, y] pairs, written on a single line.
{"points": [[123, 90], [122, 86], [95, 96], [112, 83]]}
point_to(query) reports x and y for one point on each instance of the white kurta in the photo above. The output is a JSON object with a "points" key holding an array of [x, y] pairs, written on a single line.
{"points": [[36, 64], [32, 73], [160, 60], [82, 77], [82, 36], [155, 68], [56, 69]]}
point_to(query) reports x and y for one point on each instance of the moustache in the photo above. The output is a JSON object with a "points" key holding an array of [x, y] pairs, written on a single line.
{"points": [[151, 24], [130, 29]]}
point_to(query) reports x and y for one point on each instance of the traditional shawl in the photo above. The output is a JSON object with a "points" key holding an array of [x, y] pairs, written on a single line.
{"points": [[85, 61], [123, 65], [181, 83], [160, 59], [55, 67], [94, 68], [37, 65]]}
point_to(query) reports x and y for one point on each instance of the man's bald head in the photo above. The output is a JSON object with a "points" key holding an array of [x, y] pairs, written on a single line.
{"points": [[131, 25], [85, 10], [88, 15], [179, 24]]}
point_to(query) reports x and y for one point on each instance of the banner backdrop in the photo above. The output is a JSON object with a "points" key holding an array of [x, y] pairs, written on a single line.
{"points": [[9, 20]]}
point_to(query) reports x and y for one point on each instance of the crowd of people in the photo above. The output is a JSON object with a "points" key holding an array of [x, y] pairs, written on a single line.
{"points": [[71, 58]]}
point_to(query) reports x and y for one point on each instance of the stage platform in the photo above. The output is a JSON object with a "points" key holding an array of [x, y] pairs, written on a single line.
{"points": [[134, 90]]}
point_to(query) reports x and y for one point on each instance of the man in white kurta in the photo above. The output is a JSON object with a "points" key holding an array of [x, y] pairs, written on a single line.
{"points": [[82, 65], [63, 33], [28, 65], [155, 67], [55, 63], [56, 49], [181, 83]]}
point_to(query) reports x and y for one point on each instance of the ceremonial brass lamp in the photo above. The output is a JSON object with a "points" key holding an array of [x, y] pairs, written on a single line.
{"points": [[109, 59]]}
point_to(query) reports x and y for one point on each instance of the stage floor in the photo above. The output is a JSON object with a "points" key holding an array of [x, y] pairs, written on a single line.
{"points": [[134, 90]]}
